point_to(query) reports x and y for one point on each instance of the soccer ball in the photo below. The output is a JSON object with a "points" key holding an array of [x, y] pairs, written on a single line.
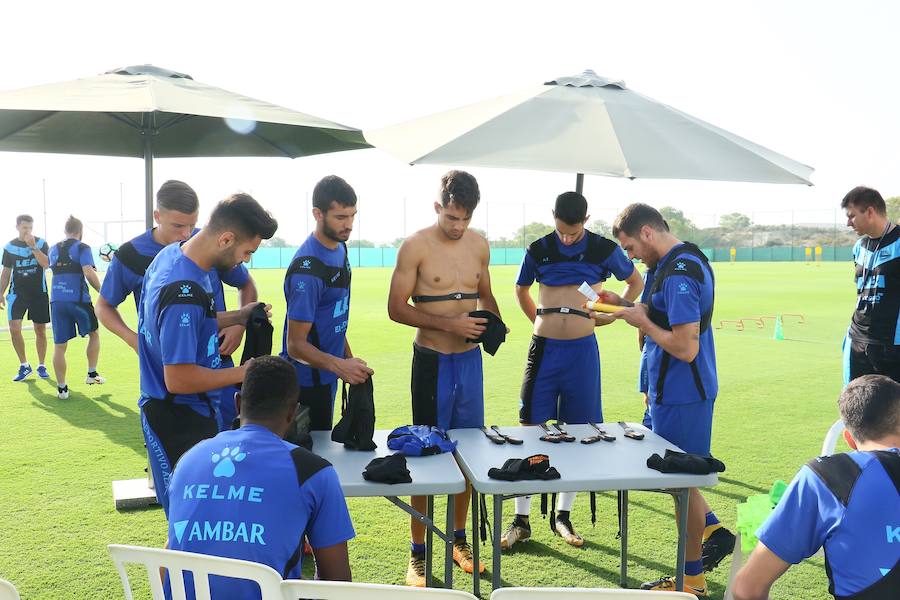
{"points": [[106, 251]]}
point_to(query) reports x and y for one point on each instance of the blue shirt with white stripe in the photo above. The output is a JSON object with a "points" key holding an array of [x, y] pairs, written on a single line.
{"points": [[877, 277]]}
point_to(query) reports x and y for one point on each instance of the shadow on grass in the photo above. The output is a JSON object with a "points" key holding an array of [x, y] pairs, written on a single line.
{"points": [[123, 428], [742, 484]]}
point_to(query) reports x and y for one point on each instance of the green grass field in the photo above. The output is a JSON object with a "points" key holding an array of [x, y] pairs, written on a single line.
{"points": [[776, 401]]}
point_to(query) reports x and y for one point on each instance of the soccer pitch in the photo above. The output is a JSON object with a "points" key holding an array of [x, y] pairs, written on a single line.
{"points": [[776, 401]]}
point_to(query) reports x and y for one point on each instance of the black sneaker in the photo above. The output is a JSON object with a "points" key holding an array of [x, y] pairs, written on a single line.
{"points": [[719, 545]]}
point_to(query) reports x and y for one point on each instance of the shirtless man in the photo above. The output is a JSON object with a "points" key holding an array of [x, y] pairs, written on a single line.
{"points": [[562, 375], [444, 270]]}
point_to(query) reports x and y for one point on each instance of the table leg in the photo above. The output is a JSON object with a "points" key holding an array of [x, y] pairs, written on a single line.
{"points": [[623, 536], [498, 519], [429, 542], [476, 541], [684, 497], [448, 544]]}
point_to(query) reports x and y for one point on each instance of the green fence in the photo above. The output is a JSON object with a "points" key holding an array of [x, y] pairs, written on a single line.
{"points": [[280, 258]]}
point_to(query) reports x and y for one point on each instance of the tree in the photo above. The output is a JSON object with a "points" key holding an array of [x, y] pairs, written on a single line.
{"points": [[734, 221], [600, 227], [527, 234], [275, 242], [360, 244], [893, 208], [480, 232], [680, 226], [397, 241]]}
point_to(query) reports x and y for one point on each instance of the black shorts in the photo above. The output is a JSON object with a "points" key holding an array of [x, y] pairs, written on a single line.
{"points": [[320, 400], [872, 359], [36, 305]]}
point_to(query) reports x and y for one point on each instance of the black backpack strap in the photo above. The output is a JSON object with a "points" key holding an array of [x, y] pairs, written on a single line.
{"points": [[306, 464], [186, 292], [599, 248], [334, 277], [891, 463], [136, 262], [838, 472], [64, 263]]}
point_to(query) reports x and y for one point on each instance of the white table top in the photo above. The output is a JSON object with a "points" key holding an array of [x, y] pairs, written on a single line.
{"points": [[618, 465], [436, 475]]}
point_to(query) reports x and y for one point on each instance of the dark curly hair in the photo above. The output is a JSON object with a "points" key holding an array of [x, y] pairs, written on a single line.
{"points": [[461, 189]]}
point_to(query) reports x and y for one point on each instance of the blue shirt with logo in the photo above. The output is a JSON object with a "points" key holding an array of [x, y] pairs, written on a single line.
{"points": [[176, 323], [70, 286], [684, 299], [877, 277], [574, 272], [236, 278], [861, 540], [643, 375], [311, 299], [27, 275], [248, 494]]}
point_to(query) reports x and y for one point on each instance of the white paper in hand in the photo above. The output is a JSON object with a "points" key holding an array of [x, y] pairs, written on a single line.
{"points": [[588, 292]]}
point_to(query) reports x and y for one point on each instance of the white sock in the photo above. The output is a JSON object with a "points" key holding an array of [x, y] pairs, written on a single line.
{"points": [[523, 505], [92, 370], [25, 364], [61, 385], [41, 365], [565, 500]]}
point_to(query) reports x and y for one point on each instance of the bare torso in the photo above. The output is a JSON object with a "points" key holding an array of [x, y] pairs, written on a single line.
{"points": [[563, 326], [446, 267]]}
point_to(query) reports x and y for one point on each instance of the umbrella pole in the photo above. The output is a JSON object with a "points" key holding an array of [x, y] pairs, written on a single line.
{"points": [[579, 183], [148, 177]]}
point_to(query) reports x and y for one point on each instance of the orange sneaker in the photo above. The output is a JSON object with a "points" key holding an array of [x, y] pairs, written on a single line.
{"points": [[462, 555], [415, 574]]}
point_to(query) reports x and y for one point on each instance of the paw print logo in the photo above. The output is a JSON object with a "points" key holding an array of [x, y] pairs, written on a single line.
{"points": [[185, 289], [682, 288], [225, 460], [680, 266], [306, 264], [185, 318], [301, 287]]}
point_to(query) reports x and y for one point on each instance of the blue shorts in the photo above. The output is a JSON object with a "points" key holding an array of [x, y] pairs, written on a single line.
{"points": [[447, 389], [562, 381], [688, 426], [223, 399], [66, 317], [170, 430]]}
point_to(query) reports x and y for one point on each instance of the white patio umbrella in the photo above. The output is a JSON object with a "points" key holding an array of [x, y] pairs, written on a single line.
{"points": [[148, 112], [586, 124]]}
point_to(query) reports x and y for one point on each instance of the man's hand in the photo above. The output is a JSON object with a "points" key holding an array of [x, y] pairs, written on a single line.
{"points": [[353, 370], [600, 318], [610, 298], [247, 310], [467, 327], [29, 241], [646, 400], [635, 316], [231, 339]]}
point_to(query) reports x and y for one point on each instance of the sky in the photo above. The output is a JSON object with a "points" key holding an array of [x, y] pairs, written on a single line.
{"points": [[814, 80]]}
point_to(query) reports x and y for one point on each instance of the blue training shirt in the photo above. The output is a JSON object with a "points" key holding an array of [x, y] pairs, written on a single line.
{"points": [[861, 540], [317, 291], [643, 376], [683, 299], [248, 494], [876, 319], [577, 270], [122, 279], [236, 278], [176, 323], [69, 284], [27, 275]]}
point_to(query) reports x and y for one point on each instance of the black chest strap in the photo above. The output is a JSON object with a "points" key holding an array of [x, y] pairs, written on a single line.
{"points": [[563, 310], [136, 262], [453, 296], [840, 473], [64, 263], [545, 251]]}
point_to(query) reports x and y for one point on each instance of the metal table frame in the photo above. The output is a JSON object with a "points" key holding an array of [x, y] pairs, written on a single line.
{"points": [[432, 476], [483, 451]]}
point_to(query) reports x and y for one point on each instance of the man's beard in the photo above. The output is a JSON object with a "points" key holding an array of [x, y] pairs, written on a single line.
{"points": [[332, 234], [225, 261]]}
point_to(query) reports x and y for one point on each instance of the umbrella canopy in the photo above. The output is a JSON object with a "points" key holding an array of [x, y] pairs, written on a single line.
{"points": [[586, 124], [149, 112]]}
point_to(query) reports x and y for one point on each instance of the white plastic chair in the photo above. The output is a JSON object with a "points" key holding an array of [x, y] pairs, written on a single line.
{"points": [[8, 591], [201, 565], [737, 557], [292, 589], [517, 593]]}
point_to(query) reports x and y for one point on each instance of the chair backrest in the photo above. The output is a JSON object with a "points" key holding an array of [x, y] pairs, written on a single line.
{"points": [[201, 565], [513, 593], [831, 438], [8, 591], [292, 589]]}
